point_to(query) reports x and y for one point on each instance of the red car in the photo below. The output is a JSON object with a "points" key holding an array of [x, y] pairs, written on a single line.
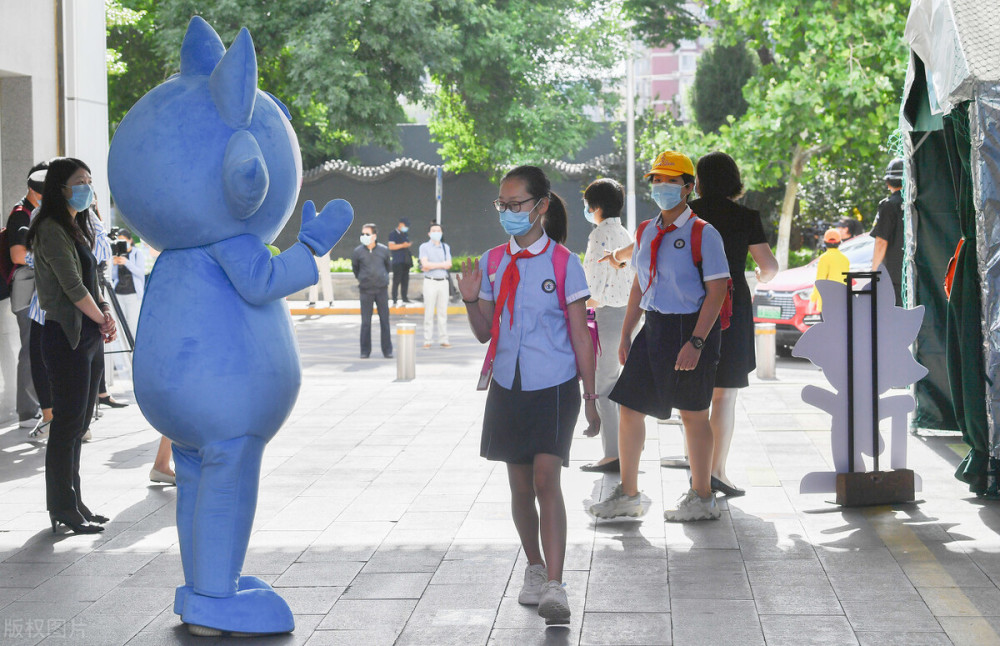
{"points": [[785, 300]]}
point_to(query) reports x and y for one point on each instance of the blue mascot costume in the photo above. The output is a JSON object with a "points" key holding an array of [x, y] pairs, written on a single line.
{"points": [[207, 168]]}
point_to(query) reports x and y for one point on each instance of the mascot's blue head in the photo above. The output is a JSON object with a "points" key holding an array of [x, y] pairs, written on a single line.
{"points": [[206, 156]]}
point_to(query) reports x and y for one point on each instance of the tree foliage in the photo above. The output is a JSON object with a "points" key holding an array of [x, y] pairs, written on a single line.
{"points": [[527, 83], [825, 95], [512, 78], [660, 23], [133, 66], [717, 93]]}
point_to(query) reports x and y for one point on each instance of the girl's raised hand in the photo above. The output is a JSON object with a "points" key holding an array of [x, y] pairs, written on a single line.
{"points": [[470, 279]]}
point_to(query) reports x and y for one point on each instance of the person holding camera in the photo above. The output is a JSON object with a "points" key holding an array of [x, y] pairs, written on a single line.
{"points": [[128, 276]]}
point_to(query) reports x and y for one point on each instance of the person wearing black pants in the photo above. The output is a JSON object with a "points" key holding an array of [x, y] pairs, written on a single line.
{"points": [[40, 379], [370, 263], [75, 376], [77, 323], [402, 261], [380, 298]]}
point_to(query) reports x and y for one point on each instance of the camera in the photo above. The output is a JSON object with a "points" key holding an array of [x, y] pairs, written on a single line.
{"points": [[118, 247]]}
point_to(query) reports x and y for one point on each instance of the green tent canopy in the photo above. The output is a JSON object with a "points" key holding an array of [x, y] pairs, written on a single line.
{"points": [[951, 120]]}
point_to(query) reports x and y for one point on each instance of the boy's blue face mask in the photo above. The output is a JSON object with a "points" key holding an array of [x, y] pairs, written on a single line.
{"points": [[666, 195]]}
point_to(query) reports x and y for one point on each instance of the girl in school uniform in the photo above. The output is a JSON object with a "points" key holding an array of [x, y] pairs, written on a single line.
{"points": [[672, 361], [534, 399]]}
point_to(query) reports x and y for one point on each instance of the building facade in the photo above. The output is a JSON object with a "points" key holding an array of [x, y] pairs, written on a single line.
{"points": [[53, 101]]}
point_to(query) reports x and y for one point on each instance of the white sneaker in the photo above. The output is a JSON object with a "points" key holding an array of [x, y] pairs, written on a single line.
{"points": [[618, 504], [535, 577], [88, 436], [553, 605], [690, 507], [40, 432]]}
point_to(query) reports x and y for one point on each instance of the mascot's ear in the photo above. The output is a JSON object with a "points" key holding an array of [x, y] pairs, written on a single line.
{"points": [[202, 49], [234, 82], [244, 175]]}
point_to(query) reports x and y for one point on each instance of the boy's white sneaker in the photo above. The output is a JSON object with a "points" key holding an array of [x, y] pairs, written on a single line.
{"points": [[691, 506], [553, 606], [535, 577]]}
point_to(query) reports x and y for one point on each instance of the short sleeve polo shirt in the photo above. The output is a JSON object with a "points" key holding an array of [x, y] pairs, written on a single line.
{"points": [[537, 342], [678, 287]]}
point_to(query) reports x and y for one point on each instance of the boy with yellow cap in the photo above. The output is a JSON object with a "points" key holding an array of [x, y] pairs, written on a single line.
{"points": [[671, 363], [833, 265]]}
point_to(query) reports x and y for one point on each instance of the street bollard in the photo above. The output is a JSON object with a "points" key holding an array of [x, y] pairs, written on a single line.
{"points": [[406, 351], [765, 341]]}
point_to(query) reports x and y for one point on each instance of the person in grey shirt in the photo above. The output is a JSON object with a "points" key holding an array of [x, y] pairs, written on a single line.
{"points": [[371, 265], [435, 261]]}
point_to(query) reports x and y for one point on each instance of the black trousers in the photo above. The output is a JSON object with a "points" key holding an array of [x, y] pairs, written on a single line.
{"points": [[39, 375], [74, 375], [401, 280], [381, 301]]}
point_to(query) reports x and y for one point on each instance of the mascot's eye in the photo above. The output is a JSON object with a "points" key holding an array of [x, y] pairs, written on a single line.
{"points": [[288, 115]]}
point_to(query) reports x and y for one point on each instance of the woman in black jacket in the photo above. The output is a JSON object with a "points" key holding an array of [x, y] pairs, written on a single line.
{"points": [[719, 186], [77, 324]]}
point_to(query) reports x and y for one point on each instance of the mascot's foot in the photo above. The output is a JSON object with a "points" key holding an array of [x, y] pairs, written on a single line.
{"points": [[248, 612], [246, 582]]}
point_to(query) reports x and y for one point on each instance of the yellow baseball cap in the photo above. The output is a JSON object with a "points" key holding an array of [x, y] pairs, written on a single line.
{"points": [[672, 164]]}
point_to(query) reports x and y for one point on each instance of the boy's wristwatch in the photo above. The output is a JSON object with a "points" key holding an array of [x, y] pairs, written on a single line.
{"points": [[697, 342]]}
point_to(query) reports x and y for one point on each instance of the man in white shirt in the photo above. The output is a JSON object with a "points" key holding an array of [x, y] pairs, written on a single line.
{"points": [[435, 261]]}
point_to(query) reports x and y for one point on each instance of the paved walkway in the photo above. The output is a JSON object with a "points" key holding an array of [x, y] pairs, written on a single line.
{"points": [[381, 525]]}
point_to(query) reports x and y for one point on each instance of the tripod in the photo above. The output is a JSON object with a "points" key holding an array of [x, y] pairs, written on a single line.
{"points": [[119, 314]]}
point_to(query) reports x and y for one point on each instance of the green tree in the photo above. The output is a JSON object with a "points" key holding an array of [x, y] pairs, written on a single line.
{"points": [[827, 91], [717, 92], [825, 95], [512, 78], [661, 23], [526, 83], [133, 66]]}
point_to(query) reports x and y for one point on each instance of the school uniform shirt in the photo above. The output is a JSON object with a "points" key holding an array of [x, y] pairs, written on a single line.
{"points": [[535, 339], [609, 286], [678, 288]]}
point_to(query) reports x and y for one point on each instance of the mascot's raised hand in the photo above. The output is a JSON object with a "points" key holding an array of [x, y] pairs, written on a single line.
{"points": [[321, 232]]}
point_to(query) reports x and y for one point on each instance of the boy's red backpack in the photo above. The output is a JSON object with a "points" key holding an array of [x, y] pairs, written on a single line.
{"points": [[697, 226], [560, 258]]}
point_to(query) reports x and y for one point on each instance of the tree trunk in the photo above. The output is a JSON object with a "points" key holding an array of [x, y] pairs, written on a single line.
{"points": [[799, 158]]}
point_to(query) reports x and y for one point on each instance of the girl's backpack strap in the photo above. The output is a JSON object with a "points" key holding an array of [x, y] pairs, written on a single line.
{"points": [[560, 258], [493, 258]]}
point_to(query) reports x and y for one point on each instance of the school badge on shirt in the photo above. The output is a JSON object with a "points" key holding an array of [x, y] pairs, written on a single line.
{"points": [[679, 243], [549, 286]]}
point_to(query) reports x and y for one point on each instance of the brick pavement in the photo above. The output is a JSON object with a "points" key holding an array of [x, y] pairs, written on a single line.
{"points": [[381, 525]]}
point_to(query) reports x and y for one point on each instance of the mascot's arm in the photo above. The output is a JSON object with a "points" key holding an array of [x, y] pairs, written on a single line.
{"points": [[260, 277]]}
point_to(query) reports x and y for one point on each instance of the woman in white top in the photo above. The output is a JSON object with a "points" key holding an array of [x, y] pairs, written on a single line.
{"points": [[609, 290]]}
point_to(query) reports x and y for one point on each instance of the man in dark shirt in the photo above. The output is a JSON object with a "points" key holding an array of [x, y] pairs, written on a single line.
{"points": [[402, 261], [370, 263], [888, 230], [22, 287]]}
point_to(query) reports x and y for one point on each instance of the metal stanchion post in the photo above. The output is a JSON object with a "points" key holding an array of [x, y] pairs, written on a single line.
{"points": [[765, 340], [406, 351]]}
